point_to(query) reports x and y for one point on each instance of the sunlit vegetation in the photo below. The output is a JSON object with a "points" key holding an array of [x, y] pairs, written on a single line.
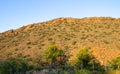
{"points": [[48, 46]]}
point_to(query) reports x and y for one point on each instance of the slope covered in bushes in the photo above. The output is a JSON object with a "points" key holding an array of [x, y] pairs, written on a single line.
{"points": [[100, 34]]}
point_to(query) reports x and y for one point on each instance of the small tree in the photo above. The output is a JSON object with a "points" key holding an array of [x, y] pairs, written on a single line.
{"points": [[85, 60], [55, 57]]}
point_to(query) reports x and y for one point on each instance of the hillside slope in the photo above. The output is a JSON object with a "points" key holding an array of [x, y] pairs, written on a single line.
{"points": [[100, 34]]}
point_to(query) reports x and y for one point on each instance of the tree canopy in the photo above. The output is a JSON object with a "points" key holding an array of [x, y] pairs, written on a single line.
{"points": [[55, 56], [85, 60]]}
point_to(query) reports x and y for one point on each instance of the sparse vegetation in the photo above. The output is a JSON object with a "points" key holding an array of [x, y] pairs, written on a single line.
{"points": [[101, 34]]}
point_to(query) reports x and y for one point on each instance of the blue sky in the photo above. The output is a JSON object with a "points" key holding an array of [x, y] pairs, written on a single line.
{"points": [[17, 13]]}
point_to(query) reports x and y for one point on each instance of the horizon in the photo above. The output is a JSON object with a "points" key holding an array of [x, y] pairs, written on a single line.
{"points": [[15, 14]]}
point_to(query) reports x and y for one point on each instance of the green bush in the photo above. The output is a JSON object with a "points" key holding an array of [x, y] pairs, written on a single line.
{"points": [[54, 56], [13, 66], [85, 60], [115, 64]]}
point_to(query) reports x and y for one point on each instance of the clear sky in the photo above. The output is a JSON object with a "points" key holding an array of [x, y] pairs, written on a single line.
{"points": [[17, 13]]}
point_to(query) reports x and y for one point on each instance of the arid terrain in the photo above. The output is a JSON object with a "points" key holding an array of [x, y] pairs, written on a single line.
{"points": [[100, 34]]}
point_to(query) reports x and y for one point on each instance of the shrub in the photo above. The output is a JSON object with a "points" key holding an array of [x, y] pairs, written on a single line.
{"points": [[115, 64], [74, 42], [13, 66], [54, 56], [85, 60]]}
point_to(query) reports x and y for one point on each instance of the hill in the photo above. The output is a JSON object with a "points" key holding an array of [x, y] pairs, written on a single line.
{"points": [[100, 34]]}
